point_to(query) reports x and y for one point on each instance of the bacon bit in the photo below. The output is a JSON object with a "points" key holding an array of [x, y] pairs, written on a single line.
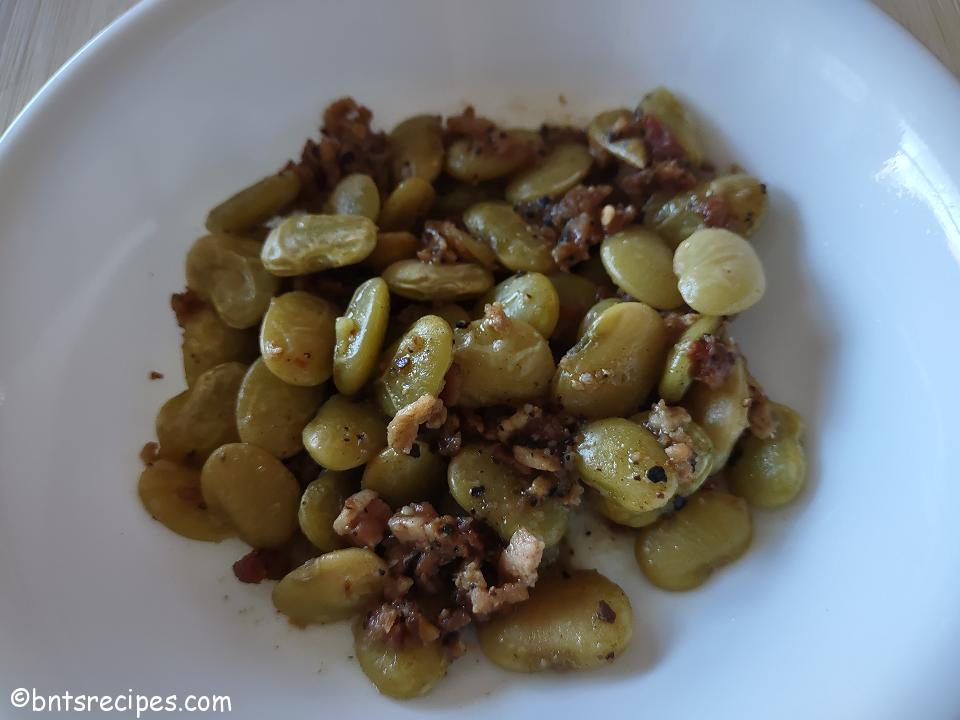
{"points": [[536, 458], [662, 143], [444, 242], [483, 599], [399, 622], [521, 558], [402, 430], [715, 210], [469, 124], [185, 304], [502, 456], [712, 359], [667, 179], [154, 375], [262, 564], [666, 423], [494, 318], [606, 613], [451, 440], [150, 453], [363, 519]]}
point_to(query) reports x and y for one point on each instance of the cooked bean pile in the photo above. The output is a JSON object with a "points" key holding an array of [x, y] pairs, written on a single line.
{"points": [[411, 357]]}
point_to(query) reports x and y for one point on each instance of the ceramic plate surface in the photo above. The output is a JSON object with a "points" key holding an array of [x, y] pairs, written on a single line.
{"points": [[847, 604]]}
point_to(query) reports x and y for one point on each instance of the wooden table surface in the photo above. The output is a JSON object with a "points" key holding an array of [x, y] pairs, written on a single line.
{"points": [[38, 36]]}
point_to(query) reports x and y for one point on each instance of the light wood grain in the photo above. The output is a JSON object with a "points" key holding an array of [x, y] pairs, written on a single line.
{"points": [[38, 36]]}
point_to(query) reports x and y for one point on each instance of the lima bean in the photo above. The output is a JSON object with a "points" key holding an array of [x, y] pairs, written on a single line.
{"points": [[356, 194], [681, 550], [227, 271], [272, 414], [360, 334], [529, 297], [255, 204], [391, 247], [297, 338], [407, 205], [577, 295], [631, 150], [253, 491], [400, 479], [416, 148], [422, 281], [499, 502], [408, 671], [573, 621], [641, 264], [196, 422], [502, 361], [208, 341], [344, 434], [468, 162], [623, 461], [722, 412], [304, 244], [418, 365], [320, 505], [614, 366], [517, 246], [171, 494], [559, 171], [594, 312], [678, 372], [719, 272], [664, 105], [770, 472], [334, 586]]}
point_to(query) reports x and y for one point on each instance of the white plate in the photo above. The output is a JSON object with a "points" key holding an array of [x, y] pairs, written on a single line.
{"points": [[846, 607]]}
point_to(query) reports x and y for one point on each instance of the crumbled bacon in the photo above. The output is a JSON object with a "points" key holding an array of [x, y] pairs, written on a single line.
{"points": [[444, 242], [451, 439], [536, 458], [494, 318], [712, 358], [662, 143], [666, 178], [402, 430], [468, 124], [150, 453], [667, 423], [575, 223], [395, 622], [347, 145], [363, 519], [452, 385], [185, 304], [484, 599]]}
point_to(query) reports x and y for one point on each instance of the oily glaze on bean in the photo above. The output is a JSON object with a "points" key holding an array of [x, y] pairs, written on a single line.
{"points": [[171, 494], [320, 505], [517, 246], [678, 372], [420, 362], [422, 281], [400, 479], [502, 362], [227, 271], [253, 492], [719, 272], [492, 492], [573, 620], [681, 550], [208, 341], [272, 414], [722, 412], [360, 334], [416, 146], [356, 194], [613, 367], [529, 297], [559, 171], [196, 422], [407, 671], [297, 338], [255, 204], [623, 462], [771, 472], [304, 244], [345, 434], [407, 205], [332, 587], [641, 264]]}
